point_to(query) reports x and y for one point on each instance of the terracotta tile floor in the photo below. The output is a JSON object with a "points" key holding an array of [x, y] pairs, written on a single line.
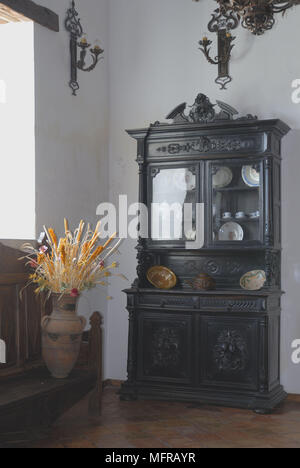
{"points": [[152, 424]]}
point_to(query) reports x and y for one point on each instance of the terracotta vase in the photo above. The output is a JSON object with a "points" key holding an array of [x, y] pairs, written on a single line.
{"points": [[61, 336]]}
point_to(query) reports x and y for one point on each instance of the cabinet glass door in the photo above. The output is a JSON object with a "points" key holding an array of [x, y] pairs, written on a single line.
{"points": [[236, 202], [174, 195]]}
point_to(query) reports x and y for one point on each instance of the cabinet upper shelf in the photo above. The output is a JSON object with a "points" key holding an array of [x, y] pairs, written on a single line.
{"points": [[236, 189]]}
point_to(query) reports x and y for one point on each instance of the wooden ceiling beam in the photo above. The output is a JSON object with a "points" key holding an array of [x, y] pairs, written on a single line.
{"points": [[32, 11], [11, 15]]}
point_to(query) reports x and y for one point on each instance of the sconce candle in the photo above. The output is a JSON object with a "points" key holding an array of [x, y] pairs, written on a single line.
{"points": [[79, 40], [97, 45]]}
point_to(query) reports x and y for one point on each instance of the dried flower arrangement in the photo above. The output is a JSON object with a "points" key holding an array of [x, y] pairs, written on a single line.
{"points": [[72, 264]]}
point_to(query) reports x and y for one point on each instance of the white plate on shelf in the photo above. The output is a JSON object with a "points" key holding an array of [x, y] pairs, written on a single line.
{"points": [[251, 176], [231, 232], [223, 177]]}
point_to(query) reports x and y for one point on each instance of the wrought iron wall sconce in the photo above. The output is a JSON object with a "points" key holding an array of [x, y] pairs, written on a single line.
{"points": [[258, 16], [78, 41], [221, 23]]}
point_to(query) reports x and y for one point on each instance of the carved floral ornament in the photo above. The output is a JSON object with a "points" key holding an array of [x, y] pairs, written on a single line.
{"points": [[166, 348], [230, 352]]}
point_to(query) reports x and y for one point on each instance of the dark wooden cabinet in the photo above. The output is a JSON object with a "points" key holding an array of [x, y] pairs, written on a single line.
{"points": [[220, 346]]}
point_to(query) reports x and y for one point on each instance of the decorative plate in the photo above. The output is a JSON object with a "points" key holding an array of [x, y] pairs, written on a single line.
{"points": [[161, 277], [251, 176], [185, 180], [231, 232], [253, 280], [223, 177]]}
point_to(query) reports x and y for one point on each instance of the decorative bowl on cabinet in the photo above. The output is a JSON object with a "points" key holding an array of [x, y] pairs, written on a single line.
{"points": [[253, 280], [161, 277], [203, 282]]}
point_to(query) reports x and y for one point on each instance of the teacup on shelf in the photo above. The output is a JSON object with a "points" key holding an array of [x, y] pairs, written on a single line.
{"points": [[254, 215], [227, 215], [240, 215]]}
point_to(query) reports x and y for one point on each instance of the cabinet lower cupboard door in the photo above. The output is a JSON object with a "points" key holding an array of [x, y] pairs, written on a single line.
{"points": [[229, 352], [164, 349]]}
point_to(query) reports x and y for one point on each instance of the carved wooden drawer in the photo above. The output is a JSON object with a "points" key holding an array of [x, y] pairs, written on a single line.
{"points": [[164, 301], [233, 305]]}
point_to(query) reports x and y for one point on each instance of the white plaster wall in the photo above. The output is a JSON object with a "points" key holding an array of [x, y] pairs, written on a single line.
{"points": [[154, 64], [17, 163], [71, 132]]}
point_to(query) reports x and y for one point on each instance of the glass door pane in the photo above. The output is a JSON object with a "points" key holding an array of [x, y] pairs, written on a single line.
{"points": [[236, 202], [174, 195]]}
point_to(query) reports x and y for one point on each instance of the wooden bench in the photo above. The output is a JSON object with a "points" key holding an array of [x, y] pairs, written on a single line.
{"points": [[30, 398]]}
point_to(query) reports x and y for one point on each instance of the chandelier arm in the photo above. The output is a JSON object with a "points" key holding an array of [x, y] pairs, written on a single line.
{"points": [[281, 7], [288, 3]]}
